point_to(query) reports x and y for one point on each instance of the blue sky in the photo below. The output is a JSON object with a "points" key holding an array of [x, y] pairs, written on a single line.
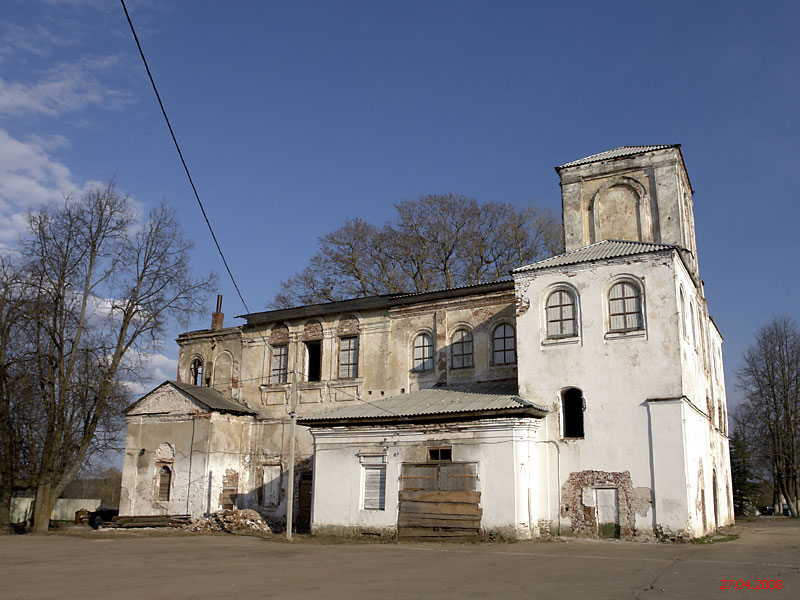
{"points": [[294, 116]]}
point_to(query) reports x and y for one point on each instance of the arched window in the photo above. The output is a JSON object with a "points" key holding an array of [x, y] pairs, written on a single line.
{"points": [[625, 307], [504, 345], [572, 412], [462, 349], [164, 483], [561, 315], [196, 371], [423, 352], [694, 330]]}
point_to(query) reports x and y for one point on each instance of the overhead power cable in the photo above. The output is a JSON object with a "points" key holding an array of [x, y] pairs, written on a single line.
{"points": [[194, 189], [180, 154]]}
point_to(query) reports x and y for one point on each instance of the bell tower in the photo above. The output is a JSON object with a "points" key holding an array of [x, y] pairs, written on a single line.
{"points": [[631, 193]]}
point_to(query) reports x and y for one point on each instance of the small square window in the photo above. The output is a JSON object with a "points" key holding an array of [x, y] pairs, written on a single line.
{"points": [[440, 454]]}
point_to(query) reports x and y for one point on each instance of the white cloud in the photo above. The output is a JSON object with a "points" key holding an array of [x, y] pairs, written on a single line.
{"points": [[62, 89], [29, 178], [154, 369]]}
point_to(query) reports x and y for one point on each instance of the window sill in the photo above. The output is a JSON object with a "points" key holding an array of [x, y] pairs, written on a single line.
{"points": [[274, 386], [344, 382], [618, 335], [565, 341]]}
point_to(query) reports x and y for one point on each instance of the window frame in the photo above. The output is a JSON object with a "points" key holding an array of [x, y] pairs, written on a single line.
{"points": [[351, 366], [458, 349], [504, 351], [561, 320], [639, 313], [281, 374], [423, 363]]}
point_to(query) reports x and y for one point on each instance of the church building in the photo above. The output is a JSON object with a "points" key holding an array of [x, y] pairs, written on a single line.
{"points": [[582, 396]]}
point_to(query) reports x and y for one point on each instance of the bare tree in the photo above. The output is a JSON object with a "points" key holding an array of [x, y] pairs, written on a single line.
{"points": [[101, 288], [437, 241], [770, 414]]}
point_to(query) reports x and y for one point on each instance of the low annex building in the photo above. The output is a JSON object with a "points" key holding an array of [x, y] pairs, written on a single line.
{"points": [[583, 396]]}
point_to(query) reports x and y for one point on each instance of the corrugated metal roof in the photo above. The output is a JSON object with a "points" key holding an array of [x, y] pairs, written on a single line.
{"points": [[212, 398], [620, 152], [597, 251], [430, 402], [375, 302]]}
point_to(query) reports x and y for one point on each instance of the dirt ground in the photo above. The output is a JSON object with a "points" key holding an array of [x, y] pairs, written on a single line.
{"points": [[129, 564]]}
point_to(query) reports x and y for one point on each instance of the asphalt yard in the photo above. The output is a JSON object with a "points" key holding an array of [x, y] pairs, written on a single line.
{"points": [[153, 565]]}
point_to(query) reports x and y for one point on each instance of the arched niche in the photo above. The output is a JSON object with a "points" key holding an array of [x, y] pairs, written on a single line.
{"points": [[620, 210]]}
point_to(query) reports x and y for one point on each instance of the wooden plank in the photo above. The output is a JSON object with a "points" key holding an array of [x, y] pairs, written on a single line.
{"points": [[440, 523], [440, 508], [440, 517], [441, 496], [423, 532]]}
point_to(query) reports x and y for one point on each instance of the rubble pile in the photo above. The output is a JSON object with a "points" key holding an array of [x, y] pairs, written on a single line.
{"points": [[231, 521]]}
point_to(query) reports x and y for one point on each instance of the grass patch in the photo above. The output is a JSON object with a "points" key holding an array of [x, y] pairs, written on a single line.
{"points": [[715, 539]]}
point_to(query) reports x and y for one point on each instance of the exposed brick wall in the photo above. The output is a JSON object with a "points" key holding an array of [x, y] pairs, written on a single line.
{"points": [[279, 335], [312, 331], [583, 516], [348, 325]]}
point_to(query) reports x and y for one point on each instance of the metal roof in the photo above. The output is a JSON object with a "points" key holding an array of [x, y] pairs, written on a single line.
{"points": [[427, 403], [211, 398], [597, 251], [375, 302], [620, 152]]}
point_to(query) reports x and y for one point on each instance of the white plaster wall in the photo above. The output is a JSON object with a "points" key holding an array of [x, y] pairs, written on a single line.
{"points": [[500, 447]]}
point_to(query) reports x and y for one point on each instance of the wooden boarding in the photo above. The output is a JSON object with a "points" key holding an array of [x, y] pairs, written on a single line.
{"points": [[427, 532], [441, 496], [448, 524], [153, 520], [439, 501], [441, 508]]}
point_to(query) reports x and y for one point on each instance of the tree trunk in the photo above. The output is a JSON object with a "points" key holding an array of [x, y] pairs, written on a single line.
{"points": [[43, 507], [5, 504]]}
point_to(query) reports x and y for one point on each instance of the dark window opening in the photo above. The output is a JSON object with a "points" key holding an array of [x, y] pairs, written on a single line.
{"points": [[440, 454], [164, 481], [572, 406], [314, 364], [196, 372]]}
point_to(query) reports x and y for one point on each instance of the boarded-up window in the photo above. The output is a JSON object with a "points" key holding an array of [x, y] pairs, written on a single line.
{"points": [[374, 487], [561, 315], [164, 483], [270, 490], [625, 307]]}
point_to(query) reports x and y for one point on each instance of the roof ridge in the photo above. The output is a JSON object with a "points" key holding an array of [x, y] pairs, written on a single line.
{"points": [[618, 152]]}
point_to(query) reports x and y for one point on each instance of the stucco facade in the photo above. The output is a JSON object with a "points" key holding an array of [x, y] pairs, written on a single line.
{"points": [[585, 396]]}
